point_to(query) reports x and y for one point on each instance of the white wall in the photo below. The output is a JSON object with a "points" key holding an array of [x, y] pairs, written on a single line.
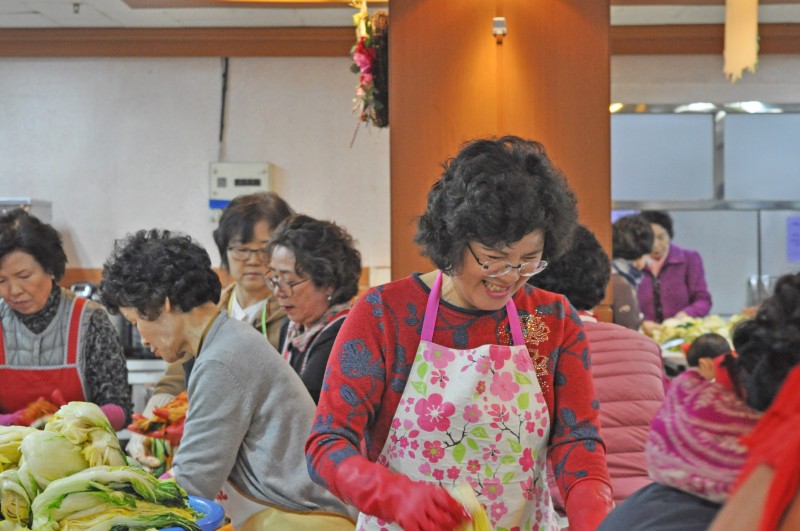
{"points": [[699, 78], [122, 144]]}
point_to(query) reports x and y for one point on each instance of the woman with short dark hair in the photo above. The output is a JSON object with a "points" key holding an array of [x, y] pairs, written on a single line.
{"points": [[314, 272], [248, 412], [674, 281], [631, 242], [467, 375], [53, 344]]}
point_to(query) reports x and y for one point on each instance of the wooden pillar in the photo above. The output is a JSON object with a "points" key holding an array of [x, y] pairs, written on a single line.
{"points": [[450, 82]]}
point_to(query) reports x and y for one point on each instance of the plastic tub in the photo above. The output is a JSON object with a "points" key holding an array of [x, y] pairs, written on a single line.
{"points": [[213, 514]]}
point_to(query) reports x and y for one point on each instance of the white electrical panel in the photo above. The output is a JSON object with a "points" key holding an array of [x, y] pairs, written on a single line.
{"points": [[230, 179]]}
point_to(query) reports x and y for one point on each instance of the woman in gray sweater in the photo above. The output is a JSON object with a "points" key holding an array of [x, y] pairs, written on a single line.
{"points": [[249, 413]]}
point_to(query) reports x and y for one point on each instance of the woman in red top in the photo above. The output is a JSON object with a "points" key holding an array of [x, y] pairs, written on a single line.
{"points": [[430, 384]]}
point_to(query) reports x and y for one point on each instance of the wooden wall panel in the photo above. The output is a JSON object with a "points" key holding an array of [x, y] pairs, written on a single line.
{"points": [[555, 88], [450, 81], [442, 91]]}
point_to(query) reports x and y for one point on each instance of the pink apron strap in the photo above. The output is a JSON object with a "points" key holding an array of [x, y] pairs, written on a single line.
{"points": [[432, 309], [429, 321], [2, 346], [513, 322]]}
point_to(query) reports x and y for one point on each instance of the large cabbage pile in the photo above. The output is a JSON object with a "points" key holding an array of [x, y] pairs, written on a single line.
{"points": [[73, 476]]}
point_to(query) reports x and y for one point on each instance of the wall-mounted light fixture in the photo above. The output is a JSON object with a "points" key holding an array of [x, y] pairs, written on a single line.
{"points": [[499, 28]]}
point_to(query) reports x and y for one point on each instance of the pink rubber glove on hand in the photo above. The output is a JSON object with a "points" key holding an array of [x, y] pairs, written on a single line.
{"points": [[115, 415], [413, 505], [8, 419]]}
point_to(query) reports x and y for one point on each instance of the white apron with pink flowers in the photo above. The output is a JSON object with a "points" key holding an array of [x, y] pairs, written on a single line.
{"points": [[474, 416]]}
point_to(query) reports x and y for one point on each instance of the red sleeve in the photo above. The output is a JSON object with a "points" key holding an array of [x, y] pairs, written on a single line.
{"points": [[353, 391], [577, 451]]}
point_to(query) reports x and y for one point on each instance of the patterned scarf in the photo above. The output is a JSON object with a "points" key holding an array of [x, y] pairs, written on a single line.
{"points": [[300, 337], [628, 271], [693, 443]]}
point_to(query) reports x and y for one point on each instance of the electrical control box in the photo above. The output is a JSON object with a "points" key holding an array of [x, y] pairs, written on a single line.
{"points": [[230, 179]]}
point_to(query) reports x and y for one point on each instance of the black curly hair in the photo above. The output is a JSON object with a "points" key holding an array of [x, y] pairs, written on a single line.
{"points": [[659, 217], [495, 191], [581, 274], [631, 237], [243, 213], [768, 346], [21, 231], [322, 250], [149, 267]]}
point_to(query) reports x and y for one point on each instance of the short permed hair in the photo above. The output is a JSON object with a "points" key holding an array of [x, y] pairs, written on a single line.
{"points": [[496, 191], [149, 267], [659, 217], [21, 231], [768, 346], [581, 274], [631, 237], [322, 250], [241, 216]]}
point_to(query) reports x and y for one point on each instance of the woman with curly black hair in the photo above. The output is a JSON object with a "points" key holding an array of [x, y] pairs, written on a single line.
{"points": [[631, 242], [239, 434], [313, 272], [467, 376], [53, 345]]}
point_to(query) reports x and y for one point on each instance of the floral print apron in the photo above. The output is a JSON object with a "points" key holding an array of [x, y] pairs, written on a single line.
{"points": [[474, 416]]}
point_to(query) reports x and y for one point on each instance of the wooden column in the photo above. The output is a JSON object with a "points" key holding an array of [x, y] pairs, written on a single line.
{"points": [[450, 82]]}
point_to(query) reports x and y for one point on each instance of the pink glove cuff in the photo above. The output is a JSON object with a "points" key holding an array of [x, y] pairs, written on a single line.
{"points": [[115, 414], [7, 419]]}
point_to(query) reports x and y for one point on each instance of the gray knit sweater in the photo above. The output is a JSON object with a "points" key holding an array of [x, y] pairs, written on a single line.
{"points": [[248, 420]]}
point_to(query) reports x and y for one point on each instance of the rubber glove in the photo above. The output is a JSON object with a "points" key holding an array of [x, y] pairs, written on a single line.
{"points": [[588, 503], [9, 419], [115, 415], [138, 444], [413, 505]]}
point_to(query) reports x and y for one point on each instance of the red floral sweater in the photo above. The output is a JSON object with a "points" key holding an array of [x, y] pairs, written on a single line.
{"points": [[373, 353]]}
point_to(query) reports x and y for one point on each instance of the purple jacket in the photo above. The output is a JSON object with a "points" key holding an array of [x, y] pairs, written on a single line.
{"points": [[683, 286]]}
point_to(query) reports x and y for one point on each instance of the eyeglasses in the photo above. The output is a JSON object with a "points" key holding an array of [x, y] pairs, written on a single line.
{"points": [[277, 283], [243, 253], [498, 268]]}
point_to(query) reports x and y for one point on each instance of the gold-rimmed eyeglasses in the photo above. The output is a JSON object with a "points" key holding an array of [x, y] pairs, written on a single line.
{"points": [[498, 268], [277, 283]]}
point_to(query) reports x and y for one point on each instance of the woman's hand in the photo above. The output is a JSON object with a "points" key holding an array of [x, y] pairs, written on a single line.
{"points": [[651, 328], [413, 505]]}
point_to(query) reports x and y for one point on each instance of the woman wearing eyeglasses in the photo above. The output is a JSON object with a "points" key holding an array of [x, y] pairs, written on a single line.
{"points": [[467, 376], [241, 237], [314, 271]]}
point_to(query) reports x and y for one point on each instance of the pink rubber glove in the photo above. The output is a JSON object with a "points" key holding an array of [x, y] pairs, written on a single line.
{"points": [[8, 419], [413, 505], [588, 503], [115, 415]]}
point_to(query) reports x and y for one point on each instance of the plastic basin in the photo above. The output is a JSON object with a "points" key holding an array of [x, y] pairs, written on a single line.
{"points": [[213, 514]]}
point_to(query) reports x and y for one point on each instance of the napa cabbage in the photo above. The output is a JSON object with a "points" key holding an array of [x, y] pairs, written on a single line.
{"points": [[86, 425], [10, 439]]}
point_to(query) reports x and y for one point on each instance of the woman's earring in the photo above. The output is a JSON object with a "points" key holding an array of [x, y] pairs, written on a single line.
{"points": [[330, 297]]}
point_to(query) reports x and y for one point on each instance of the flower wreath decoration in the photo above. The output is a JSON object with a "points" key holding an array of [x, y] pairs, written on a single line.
{"points": [[370, 56]]}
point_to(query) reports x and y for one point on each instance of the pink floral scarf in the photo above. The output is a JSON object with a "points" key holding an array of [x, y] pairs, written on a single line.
{"points": [[693, 443]]}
